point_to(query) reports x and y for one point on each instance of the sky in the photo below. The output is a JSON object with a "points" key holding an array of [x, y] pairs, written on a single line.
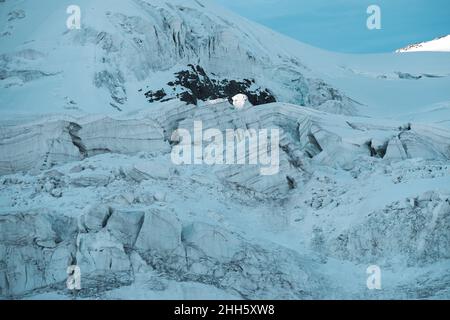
{"points": [[341, 25]]}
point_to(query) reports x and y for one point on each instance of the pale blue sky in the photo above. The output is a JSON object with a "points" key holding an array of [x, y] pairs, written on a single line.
{"points": [[340, 25]]}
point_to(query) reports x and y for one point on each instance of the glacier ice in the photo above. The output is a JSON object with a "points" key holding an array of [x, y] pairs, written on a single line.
{"points": [[86, 176]]}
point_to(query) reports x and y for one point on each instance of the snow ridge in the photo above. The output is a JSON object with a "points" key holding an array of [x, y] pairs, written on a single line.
{"points": [[441, 44]]}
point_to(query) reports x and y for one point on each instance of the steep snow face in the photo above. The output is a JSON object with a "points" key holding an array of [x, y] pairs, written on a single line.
{"points": [[94, 184], [441, 44], [126, 53]]}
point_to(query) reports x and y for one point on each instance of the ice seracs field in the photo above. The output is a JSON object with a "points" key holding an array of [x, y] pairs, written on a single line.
{"points": [[86, 177]]}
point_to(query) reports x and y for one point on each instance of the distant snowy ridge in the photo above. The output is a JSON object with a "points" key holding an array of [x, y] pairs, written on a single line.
{"points": [[441, 44]]}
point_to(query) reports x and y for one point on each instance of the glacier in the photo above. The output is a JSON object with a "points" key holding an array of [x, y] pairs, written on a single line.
{"points": [[86, 176]]}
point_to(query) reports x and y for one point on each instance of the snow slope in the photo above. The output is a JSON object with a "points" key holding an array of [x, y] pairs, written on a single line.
{"points": [[86, 176], [441, 44], [126, 49]]}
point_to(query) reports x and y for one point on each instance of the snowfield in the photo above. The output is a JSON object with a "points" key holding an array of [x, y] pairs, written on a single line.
{"points": [[441, 44], [86, 176]]}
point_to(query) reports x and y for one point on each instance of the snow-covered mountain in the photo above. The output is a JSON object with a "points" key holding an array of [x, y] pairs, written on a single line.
{"points": [[441, 44], [86, 176], [130, 53]]}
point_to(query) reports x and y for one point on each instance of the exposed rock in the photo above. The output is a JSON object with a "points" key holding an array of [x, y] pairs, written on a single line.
{"points": [[195, 85]]}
